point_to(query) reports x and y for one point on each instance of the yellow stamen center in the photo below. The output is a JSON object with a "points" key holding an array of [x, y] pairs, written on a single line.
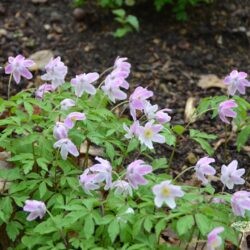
{"points": [[165, 191], [148, 133]]}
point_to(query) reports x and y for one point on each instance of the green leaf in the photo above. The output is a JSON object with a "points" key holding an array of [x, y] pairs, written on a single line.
{"points": [[203, 223], [29, 108], [42, 189], [242, 137], [121, 32], [178, 129], [13, 228], [160, 226], [89, 227], [169, 136], [42, 163], [159, 163], [205, 145], [133, 144], [198, 134], [113, 230], [133, 21], [184, 224], [148, 224], [110, 151], [119, 12]]}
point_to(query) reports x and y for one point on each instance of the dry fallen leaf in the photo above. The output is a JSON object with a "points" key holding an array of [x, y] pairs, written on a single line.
{"points": [[190, 110], [211, 81], [41, 59]]}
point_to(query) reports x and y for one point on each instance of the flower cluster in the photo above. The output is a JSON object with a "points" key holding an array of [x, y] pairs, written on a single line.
{"points": [[92, 177], [236, 82]]}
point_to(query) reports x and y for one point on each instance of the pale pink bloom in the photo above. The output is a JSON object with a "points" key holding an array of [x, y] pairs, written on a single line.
{"points": [[132, 130], [84, 83], [240, 202], [89, 181], [66, 146], [226, 110], [73, 117], [60, 131], [231, 176], [55, 72], [237, 81], [116, 80], [150, 133], [35, 208], [137, 100], [18, 67], [103, 171], [165, 192], [67, 103], [122, 188], [162, 116], [203, 168], [122, 67], [44, 88], [136, 171], [112, 88], [213, 239]]}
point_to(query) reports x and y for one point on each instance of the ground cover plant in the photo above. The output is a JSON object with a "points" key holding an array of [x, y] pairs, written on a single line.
{"points": [[57, 195]]}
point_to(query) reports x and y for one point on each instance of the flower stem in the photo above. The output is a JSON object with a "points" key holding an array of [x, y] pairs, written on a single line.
{"points": [[172, 154], [226, 141], [9, 86], [118, 105], [183, 172]]}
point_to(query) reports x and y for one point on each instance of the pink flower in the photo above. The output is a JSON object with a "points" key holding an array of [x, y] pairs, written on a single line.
{"points": [[44, 88], [132, 130], [103, 171], [136, 171], [36, 209], [150, 133], [213, 239], [150, 110], [121, 67], [89, 181], [122, 188], [66, 146], [240, 202], [237, 81], [60, 131], [18, 67], [82, 83], [165, 192], [116, 80], [137, 100], [203, 168], [151, 113], [72, 118], [226, 110], [162, 116], [230, 176], [55, 72], [67, 103]]}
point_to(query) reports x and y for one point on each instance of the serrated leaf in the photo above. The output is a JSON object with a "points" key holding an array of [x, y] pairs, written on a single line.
{"points": [[113, 230], [205, 145], [203, 223], [42, 189], [178, 129], [119, 12], [29, 108], [89, 227], [184, 224], [121, 32], [243, 137], [133, 21], [13, 228], [148, 224], [110, 151], [133, 144], [160, 226]]}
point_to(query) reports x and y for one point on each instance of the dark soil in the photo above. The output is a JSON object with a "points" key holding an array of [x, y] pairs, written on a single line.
{"points": [[167, 56]]}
